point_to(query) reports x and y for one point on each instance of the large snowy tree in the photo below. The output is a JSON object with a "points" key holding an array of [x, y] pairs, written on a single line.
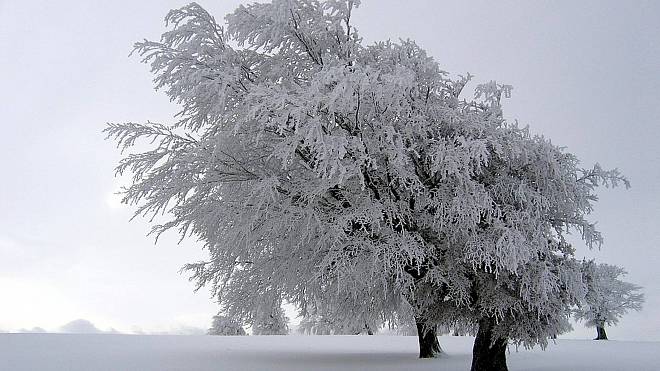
{"points": [[357, 179], [608, 297]]}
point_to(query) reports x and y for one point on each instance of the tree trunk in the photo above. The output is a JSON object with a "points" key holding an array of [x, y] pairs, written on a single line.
{"points": [[488, 354], [429, 346], [601, 334]]}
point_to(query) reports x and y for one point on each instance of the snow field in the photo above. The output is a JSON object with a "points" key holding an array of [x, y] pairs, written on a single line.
{"points": [[68, 352]]}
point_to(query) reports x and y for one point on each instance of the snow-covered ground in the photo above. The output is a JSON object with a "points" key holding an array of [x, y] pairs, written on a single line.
{"points": [[50, 352]]}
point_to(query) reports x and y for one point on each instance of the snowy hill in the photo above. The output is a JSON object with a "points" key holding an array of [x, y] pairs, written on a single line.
{"points": [[59, 352]]}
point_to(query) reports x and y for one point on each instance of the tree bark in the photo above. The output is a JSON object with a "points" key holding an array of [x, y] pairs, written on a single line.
{"points": [[489, 353], [601, 334], [429, 346]]}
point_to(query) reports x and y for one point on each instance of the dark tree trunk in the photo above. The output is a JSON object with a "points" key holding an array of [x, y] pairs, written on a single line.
{"points": [[429, 346], [601, 334], [488, 354]]}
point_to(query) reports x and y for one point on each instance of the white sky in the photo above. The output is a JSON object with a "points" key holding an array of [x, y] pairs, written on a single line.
{"points": [[586, 75]]}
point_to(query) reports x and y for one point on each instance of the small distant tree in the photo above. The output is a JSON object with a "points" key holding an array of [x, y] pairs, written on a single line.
{"points": [[270, 321], [226, 326], [608, 297], [315, 325], [361, 313], [319, 324]]}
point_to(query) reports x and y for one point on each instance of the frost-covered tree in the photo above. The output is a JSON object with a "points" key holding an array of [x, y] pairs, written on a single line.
{"points": [[608, 297], [356, 179], [270, 320], [351, 314], [327, 324], [322, 325], [225, 326], [316, 325]]}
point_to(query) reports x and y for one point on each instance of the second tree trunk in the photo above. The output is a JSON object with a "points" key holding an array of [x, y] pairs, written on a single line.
{"points": [[429, 346], [489, 353]]}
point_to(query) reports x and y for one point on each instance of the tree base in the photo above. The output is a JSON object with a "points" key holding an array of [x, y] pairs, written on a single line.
{"points": [[601, 334], [429, 346], [488, 354]]}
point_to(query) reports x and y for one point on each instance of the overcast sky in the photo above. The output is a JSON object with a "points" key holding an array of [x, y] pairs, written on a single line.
{"points": [[585, 74]]}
